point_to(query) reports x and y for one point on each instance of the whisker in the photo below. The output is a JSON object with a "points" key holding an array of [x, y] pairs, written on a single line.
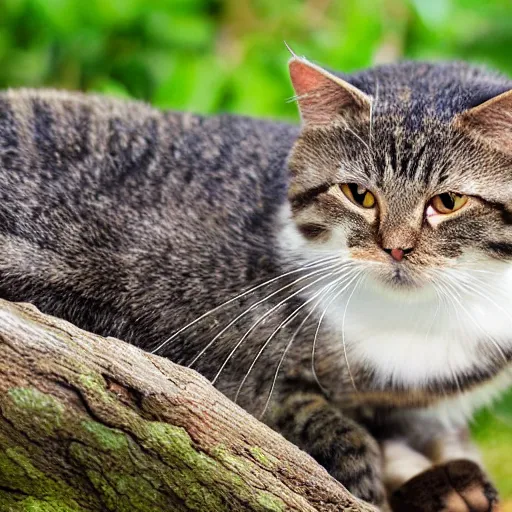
{"points": [[290, 317], [435, 314], [255, 324], [492, 339], [451, 303], [288, 47], [297, 97], [357, 137], [292, 339], [449, 282], [239, 296], [475, 290], [336, 295], [255, 305], [471, 287], [343, 333], [319, 261], [477, 270]]}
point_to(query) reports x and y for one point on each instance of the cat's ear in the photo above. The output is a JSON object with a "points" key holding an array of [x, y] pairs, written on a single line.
{"points": [[491, 121], [323, 97]]}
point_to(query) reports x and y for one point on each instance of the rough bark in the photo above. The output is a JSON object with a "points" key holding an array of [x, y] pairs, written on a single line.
{"points": [[95, 424]]}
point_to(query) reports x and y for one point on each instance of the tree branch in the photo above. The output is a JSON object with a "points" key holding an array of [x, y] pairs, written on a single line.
{"points": [[95, 424]]}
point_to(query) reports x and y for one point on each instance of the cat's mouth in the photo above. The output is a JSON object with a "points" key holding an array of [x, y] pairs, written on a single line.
{"points": [[399, 277]]}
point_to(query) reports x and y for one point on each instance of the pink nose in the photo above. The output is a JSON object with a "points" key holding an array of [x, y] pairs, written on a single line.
{"points": [[397, 254]]}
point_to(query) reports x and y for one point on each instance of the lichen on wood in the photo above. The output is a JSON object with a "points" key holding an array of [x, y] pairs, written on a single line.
{"points": [[94, 424]]}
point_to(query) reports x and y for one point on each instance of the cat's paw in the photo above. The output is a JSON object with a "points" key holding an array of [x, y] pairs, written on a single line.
{"points": [[457, 486]]}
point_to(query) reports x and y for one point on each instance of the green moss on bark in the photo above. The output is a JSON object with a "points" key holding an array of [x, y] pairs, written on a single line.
{"points": [[263, 458], [28, 404], [270, 502], [154, 466], [18, 473], [105, 438], [10, 503]]}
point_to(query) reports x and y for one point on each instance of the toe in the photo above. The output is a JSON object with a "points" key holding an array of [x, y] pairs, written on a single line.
{"points": [[469, 481], [458, 486]]}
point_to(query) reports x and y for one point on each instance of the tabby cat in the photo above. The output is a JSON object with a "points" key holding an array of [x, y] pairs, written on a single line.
{"points": [[348, 280]]}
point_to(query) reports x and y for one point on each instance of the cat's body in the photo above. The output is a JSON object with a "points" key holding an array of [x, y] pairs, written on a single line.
{"points": [[134, 223]]}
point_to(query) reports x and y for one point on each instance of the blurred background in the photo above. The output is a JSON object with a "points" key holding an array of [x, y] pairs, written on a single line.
{"points": [[228, 55]]}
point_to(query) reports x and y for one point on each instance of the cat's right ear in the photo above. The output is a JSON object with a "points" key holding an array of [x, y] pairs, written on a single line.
{"points": [[323, 97], [491, 121]]}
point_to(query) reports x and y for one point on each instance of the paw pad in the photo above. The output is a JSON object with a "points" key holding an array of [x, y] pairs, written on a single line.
{"points": [[457, 486]]}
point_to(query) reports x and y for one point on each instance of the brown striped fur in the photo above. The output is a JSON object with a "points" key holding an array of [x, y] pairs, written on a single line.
{"points": [[131, 222]]}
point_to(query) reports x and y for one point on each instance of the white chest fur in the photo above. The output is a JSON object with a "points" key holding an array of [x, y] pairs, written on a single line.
{"points": [[410, 340]]}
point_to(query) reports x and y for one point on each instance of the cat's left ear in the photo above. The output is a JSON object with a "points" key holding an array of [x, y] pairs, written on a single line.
{"points": [[491, 121], [324, 97]]}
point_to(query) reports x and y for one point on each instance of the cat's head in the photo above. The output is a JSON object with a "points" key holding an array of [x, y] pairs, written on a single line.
{"points": [[400, 202], [406, 170]]}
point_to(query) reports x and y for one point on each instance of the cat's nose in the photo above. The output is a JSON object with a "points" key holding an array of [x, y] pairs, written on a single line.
{"points": [[398, 254]]}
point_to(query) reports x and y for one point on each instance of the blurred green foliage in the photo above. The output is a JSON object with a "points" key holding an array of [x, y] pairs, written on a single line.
{"points": [[228, 55], [493, 432]]}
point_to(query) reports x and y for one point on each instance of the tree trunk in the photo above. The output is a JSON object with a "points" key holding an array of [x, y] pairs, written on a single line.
{"points": [[95, 424]]}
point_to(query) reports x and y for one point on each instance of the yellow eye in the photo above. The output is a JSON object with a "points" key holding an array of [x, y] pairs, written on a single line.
{"points": [[448, 202], [358, 194]]}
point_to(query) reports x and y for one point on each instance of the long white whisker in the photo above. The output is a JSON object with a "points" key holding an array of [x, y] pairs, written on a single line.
{"points": [[468, 287], [464, 309], [471, 287], [446, 296], [357, 137], [243, 294], [343, 332], [435, 314], [260, 319], [292, 339], [290, 317], [255, 305], [357, 272], [477, 270]]}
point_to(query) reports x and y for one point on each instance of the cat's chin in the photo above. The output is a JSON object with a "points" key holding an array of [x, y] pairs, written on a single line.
{"points": [[399, 282]]}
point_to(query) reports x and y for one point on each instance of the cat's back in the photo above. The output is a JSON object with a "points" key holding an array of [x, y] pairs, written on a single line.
{"points": [[53, 141], [78, 158], [102, 194]]}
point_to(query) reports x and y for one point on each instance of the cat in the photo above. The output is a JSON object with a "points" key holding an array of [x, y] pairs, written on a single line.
{"points": [[346, 280]]}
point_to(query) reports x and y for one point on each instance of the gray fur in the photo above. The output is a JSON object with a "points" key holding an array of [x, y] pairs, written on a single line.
{"points": [[131, 222]]}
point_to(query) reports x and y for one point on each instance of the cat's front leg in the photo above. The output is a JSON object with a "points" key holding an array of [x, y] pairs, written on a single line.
{"points": [[432, 468], [342, 446]]}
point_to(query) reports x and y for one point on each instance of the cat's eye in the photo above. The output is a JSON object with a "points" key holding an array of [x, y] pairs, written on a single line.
{"points": [[448, 202], [358, 194]]}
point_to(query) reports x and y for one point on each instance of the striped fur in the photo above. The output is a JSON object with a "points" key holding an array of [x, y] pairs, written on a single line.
{"points": [[134, 223]]}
